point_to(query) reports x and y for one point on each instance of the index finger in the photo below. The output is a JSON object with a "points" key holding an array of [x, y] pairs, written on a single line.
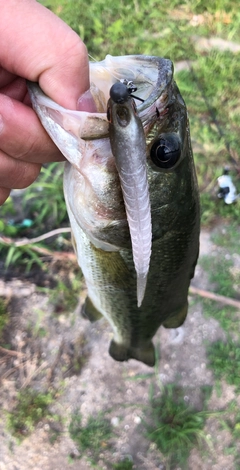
{"points": [[47, 50], [22, 136]]}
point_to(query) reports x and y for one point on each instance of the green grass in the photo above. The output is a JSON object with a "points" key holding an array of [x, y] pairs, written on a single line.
{"points": [[231, 423], [65, 295], [211, 85], [31, 408], [20, 255], [124, 28], [228, 237], [92, 437], [45, 209], [174, 426], [224, 360], [227, 316], [125, 464], [4, 315], [214, 209], [221, 273], [44, 198], [236, 427], [133, 26]]}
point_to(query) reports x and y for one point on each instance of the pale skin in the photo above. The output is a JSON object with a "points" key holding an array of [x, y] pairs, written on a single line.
{"points": [[35, 45]]}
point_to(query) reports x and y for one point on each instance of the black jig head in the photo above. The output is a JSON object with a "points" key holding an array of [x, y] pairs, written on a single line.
{"points": [[121, 91]]}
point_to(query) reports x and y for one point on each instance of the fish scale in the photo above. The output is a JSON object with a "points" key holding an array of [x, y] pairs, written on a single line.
{"points": [[151, 136]]}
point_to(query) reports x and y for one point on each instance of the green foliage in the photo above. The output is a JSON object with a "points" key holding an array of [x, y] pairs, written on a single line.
{"points": [[226, 316], [4, 317], [7, 229], [219, 270], [8, 208], [206, 89], [124, 28], [213, 208], [22, 255], [45, 197], [44, 203], [208, 207], [133, 27], [65, 296], [6, 212], [93, 436], [236, 428], [30, 409], [228, 237], [224, 360], [175, 427], [125, 464]]}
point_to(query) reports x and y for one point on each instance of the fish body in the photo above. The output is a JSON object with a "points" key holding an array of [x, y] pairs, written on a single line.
{"points": [[134, 218]]}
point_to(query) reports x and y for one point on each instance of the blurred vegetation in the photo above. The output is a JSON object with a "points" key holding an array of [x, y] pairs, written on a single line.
{"points": [[45, 201], [93, 437], [176, 427], [139, 27], [224, 360], [227, 316], [31, 407], [4, 316], [222, 274], [125, 464]]}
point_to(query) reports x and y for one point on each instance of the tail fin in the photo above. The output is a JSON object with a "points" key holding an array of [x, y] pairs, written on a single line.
{"points": [[120, 352]]}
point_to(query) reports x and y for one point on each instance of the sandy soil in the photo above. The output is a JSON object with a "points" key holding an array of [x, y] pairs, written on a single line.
{"points": [[119, 390]]}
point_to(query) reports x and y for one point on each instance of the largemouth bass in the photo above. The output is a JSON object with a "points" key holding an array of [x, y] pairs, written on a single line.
{"points": [[132, 198]]}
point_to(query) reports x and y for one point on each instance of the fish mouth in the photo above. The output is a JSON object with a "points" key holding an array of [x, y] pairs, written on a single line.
{"points": [[128, 146]]}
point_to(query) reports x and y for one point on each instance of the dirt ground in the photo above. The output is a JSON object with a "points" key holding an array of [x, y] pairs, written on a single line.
{"points": [[119, 390]]}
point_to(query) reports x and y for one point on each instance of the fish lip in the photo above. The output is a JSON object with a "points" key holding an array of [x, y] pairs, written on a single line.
{"points": [[164, 76], [164, 80], [159, 93]]}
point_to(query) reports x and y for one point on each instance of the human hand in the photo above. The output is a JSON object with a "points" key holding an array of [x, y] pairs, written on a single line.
{"points": [[38, 46]]}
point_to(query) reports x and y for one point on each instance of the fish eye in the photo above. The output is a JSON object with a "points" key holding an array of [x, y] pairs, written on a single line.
{"points": [[166, 151]]}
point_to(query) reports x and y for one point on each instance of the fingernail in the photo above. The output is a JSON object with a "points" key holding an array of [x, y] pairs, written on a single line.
{"points": [[86, 103]]}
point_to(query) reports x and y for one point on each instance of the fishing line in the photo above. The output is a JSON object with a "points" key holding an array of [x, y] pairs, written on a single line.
{"points": [[106, 68], [129, 83]]}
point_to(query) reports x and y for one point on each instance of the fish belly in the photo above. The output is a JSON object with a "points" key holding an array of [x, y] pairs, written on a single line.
{"points": [[111, 282]]}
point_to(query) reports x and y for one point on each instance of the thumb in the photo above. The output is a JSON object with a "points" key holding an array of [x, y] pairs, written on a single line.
{"points": [[47, 50]]}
